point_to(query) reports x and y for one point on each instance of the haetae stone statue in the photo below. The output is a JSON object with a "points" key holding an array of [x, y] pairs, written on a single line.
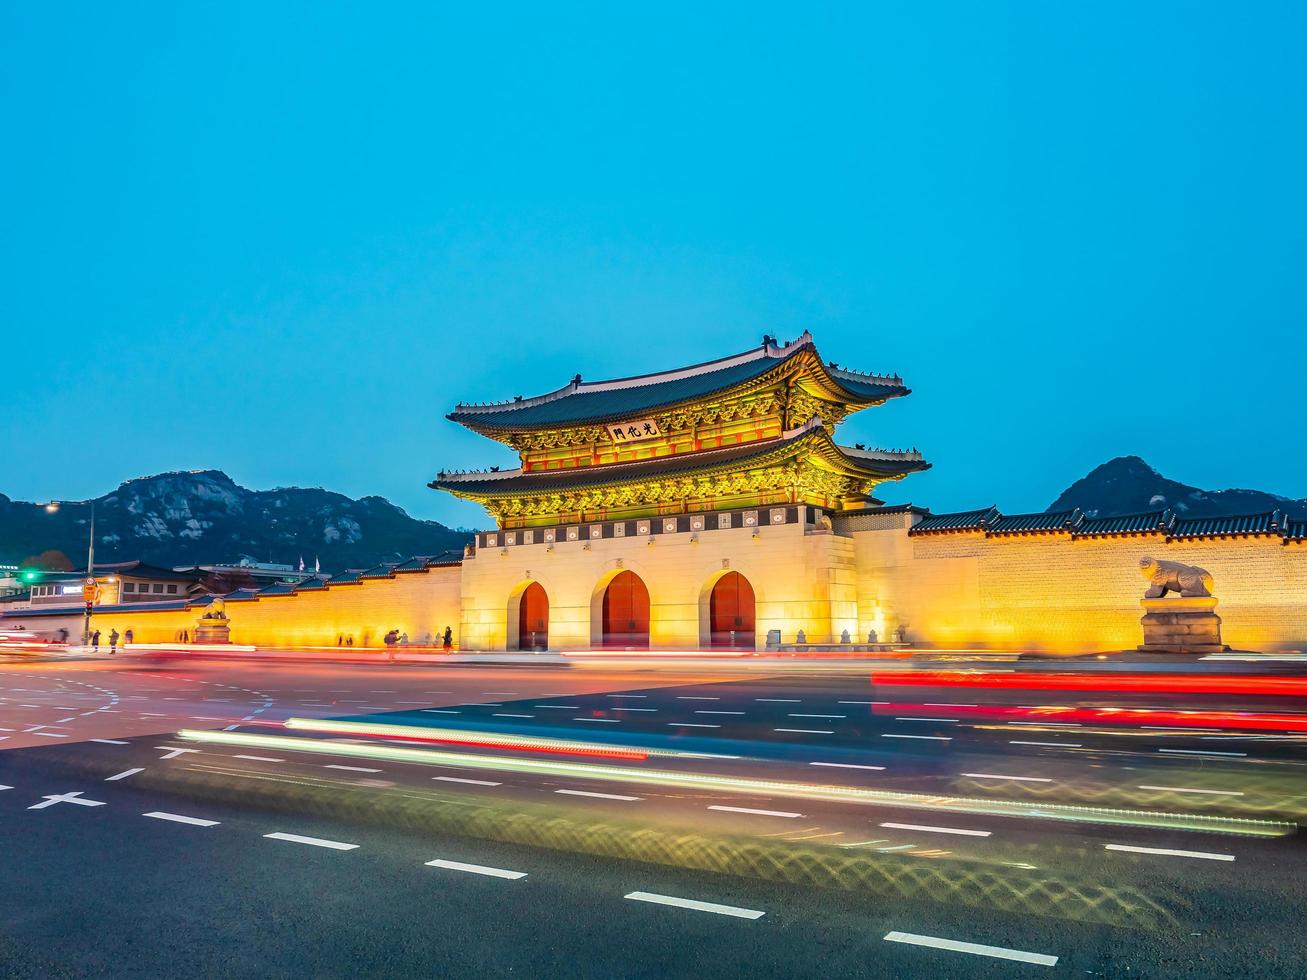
{"points": [[1172, 576], [1186, 623]]}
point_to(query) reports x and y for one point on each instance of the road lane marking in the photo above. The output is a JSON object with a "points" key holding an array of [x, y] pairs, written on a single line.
{"points": [[178, 818], [628, 695], [1181, 789], [925, 738], [794, 715], [693, 697], [505, 714], [1169, 852], [470, 782], [1048, 724], [758, 813], [50, 734], [995, 775], [334, 845], [936, 830], [604, 721], [1200, 752], [998, 952], [633, 709], [597, 796], [780, 700], [954, 720], [862, 702], [703, 711], [74, 797], [805, 731], [1056, 745], [170, 753], [845, 765], [351, 768], [440, 711], [690, 724], [124, 775], [3, 787], [476, 869], [258, 758], [570, 707], [948, 704], [689, 903]]}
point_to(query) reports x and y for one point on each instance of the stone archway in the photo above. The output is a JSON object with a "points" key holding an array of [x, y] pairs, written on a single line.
{"points": [[528, 617], [728, 613], [620, 612]]}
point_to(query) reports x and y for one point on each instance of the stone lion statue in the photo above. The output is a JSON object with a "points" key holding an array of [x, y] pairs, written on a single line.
{"points": [[217, 610], [1172, 576]]}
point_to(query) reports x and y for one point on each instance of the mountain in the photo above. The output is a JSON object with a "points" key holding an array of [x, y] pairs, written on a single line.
{"points": [[1128, 485], [204, 517]]}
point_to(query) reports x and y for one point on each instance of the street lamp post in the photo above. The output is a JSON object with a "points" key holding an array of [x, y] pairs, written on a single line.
{"points": [[53, 507]]}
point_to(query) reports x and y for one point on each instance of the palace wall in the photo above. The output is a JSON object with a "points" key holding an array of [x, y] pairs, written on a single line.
{"points": [[1054, 592], [417, 603], [801, 580]]}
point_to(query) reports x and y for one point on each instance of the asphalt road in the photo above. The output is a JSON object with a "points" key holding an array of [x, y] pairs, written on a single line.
{"points": [[667, 823]]}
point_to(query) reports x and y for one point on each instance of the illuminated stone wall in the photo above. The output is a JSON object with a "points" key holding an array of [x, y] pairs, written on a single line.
{"points": [[800, 581], [418, 603], [1053, 592]]}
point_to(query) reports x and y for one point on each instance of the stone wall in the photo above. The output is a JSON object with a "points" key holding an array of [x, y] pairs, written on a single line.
{"points": [[418, 603], [1051, 591]]}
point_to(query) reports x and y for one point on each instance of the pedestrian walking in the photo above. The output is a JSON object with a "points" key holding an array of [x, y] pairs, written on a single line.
{"points": [[113, 641], [448, 639], [95, 642]]}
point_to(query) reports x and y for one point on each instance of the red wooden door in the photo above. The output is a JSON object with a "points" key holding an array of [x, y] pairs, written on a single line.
{"points": [[626, 612], [533, 619], [730, 612]]}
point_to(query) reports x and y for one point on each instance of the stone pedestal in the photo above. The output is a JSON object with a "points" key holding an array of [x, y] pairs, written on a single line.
{"points": [[215, 629], [1180, 625]]}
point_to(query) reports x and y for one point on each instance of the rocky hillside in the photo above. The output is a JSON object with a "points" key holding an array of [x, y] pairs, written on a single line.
{"points": [[1128, 485], [204, 517]]}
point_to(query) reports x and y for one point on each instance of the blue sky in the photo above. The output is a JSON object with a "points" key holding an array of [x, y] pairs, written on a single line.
{"points": [[283, 240]]}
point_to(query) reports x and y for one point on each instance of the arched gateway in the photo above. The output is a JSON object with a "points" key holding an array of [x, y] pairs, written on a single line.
{"points": [[731, 613], [533, 618], [626, 613]]}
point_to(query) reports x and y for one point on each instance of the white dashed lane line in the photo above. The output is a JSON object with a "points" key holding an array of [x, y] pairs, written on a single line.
{"points": [[702, 711], [179, 818], [568, 707], [794, 715], [780, 700], [351, 768], [998, 952], [925, 828], [1200, 752], [805, 731], [334, 845], [756, 813], [605, 721], [845, 765], [257, 758], [123, 775], [1169, 852], [689, 903], [476, 869], [1054, 745], [597, 796], [920, 738], [690, 724], [470, 782], [1181, 789]]}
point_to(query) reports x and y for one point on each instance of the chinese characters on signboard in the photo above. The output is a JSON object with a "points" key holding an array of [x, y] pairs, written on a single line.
{"points": [[631, 431]]}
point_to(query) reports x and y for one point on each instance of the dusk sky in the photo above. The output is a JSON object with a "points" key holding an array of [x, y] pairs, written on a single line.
{"points": [[283, 241]]}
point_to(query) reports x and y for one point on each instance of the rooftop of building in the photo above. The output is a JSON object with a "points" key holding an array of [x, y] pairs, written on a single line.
{"points": [[582, 402], [1168, 523], [875, 462]]}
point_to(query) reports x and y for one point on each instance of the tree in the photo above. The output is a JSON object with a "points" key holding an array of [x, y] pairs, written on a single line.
{"points": [[51, 560]]}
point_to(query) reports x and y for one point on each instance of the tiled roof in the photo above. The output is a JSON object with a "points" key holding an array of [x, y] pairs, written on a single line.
{"points": [[967, 520], [1208, 527], [309, 584], [278, 588], [888, 464], [347, 576], [384, 570], [1064, 520], [1295, 531], [581, 402], [1154, 520]]}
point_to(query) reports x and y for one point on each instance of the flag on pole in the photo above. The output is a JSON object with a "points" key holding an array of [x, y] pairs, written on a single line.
{"points": [[316, 567], [301, 563]]}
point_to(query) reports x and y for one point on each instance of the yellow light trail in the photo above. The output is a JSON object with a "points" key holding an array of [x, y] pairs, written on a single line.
{"points": [[769, 787]]}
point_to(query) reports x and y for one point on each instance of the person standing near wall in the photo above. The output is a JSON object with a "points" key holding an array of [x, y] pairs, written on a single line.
{"points": [[448, 640], [113, 641], [95, 642]]}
